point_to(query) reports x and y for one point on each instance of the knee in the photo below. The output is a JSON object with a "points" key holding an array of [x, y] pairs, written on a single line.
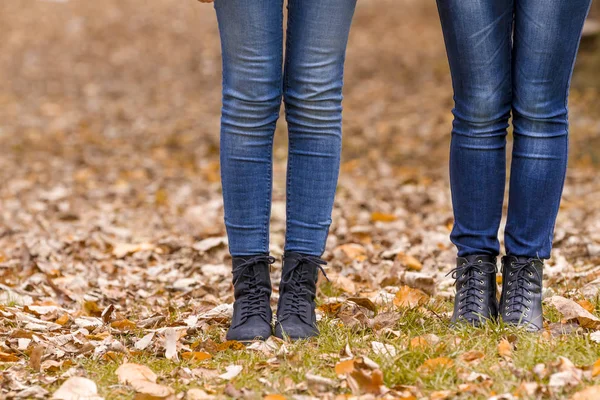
{"points": [[540, 115], [484, 114]]}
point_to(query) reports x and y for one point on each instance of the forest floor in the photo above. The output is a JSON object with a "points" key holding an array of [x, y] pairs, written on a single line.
{"points": [[113, 259]]}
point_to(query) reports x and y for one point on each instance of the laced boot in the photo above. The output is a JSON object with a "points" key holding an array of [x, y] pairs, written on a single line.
{"points": [[296, 317], [475, 300], [521, 299], [252, 313]]}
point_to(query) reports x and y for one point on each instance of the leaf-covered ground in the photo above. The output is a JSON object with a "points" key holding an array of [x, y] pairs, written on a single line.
{"points": [[114, 273]]}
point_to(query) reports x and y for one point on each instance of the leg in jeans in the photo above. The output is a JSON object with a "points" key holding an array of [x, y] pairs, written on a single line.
{"points": [[478, 41], [547, 35], [316, 46], [252, 47], [313, 78]]}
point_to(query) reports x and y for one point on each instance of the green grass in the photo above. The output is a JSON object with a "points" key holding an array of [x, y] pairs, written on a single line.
{"points": [[319, 356]]}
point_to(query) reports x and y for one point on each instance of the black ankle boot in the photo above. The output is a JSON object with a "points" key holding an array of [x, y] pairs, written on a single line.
{"points": [[475, 299], [296, 317], [252, 313], [521, 300]]}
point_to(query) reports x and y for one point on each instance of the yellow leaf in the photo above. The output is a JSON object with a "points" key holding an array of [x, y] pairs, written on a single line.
{"points": [[123, 325], [63, 319], [590, 393], [472, 355], [331, 309], [344, 367], [434, 363], [230, 345], [7, 357], [382, 217], [409, 262], [195, 355], [505, 348], [587, 305], [596, 369], [274, 397], [410, 298]]}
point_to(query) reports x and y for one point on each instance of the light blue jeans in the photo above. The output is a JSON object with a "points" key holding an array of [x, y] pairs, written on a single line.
{"points": [[255, 79], [509, 56]]}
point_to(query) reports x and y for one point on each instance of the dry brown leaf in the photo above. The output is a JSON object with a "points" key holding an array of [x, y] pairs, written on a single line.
{"points": [[171, 339], [409, 262], [8, 357], [344, 367], [587, 305], [366, 382], [274, 397], [195, 356], [572, 311], [142, 380], [472, 355], [230, 345], [505, 348], [590, 393], [35, 359], [442, 395], [424, 342], [350, 252], [382, 217], [77, 388], [331, 309], [410, 298], [123, 325], [432, 364], [231, 371], [596, 368], [364, 302]]}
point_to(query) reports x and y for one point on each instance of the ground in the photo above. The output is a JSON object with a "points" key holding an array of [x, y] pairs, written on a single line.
{"points": [[112, 247]]}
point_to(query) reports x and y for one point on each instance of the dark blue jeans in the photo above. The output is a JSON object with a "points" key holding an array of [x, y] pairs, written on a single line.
{"points": [[509, 56], [254, 83]]}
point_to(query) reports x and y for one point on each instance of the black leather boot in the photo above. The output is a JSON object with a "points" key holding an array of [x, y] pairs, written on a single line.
{"points": [[296, 317], [252, 313], [475, 300], [521, 300]]}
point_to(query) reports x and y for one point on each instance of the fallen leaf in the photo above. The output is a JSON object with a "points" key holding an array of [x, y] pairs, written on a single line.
{"points": [[382, 349], [587, 305], [382, 217], [171, 339], [121, 250], [35, 359], [231, 372], [590, 393], [472, 355], [77, 388], [123, 325], [7, 357], [366, 382], [198, 394], [274, 397], [595, 337], [573, 311], [144, 342], [596, 369], [505, 348], [142, 380], [195, 356], [344, 367], [350, 252], [410, 298], [409, 262], [432, 364]]}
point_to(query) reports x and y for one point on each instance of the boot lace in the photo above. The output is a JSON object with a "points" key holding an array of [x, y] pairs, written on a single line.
{"points": [[298, 281], [470, 296], [518, 296], [253, 303]]}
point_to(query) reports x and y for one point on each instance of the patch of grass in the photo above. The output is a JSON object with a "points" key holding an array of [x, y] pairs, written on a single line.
{"points": [[280, 373]]}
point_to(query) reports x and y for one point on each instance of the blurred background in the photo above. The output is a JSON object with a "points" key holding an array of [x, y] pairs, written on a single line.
{"points": [[109, 120]]}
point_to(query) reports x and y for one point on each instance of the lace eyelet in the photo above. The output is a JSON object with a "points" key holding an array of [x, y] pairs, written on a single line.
{"points": [[481, 292], [479, 261], [531, 274], [481, 300], [460, 310], [529, 301], [480, 307], [512, 273], [528, 309], [508, 314], [512, 264], [525, 315], [508, 292], [481, 282], [509, 283], [529, 284]]}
